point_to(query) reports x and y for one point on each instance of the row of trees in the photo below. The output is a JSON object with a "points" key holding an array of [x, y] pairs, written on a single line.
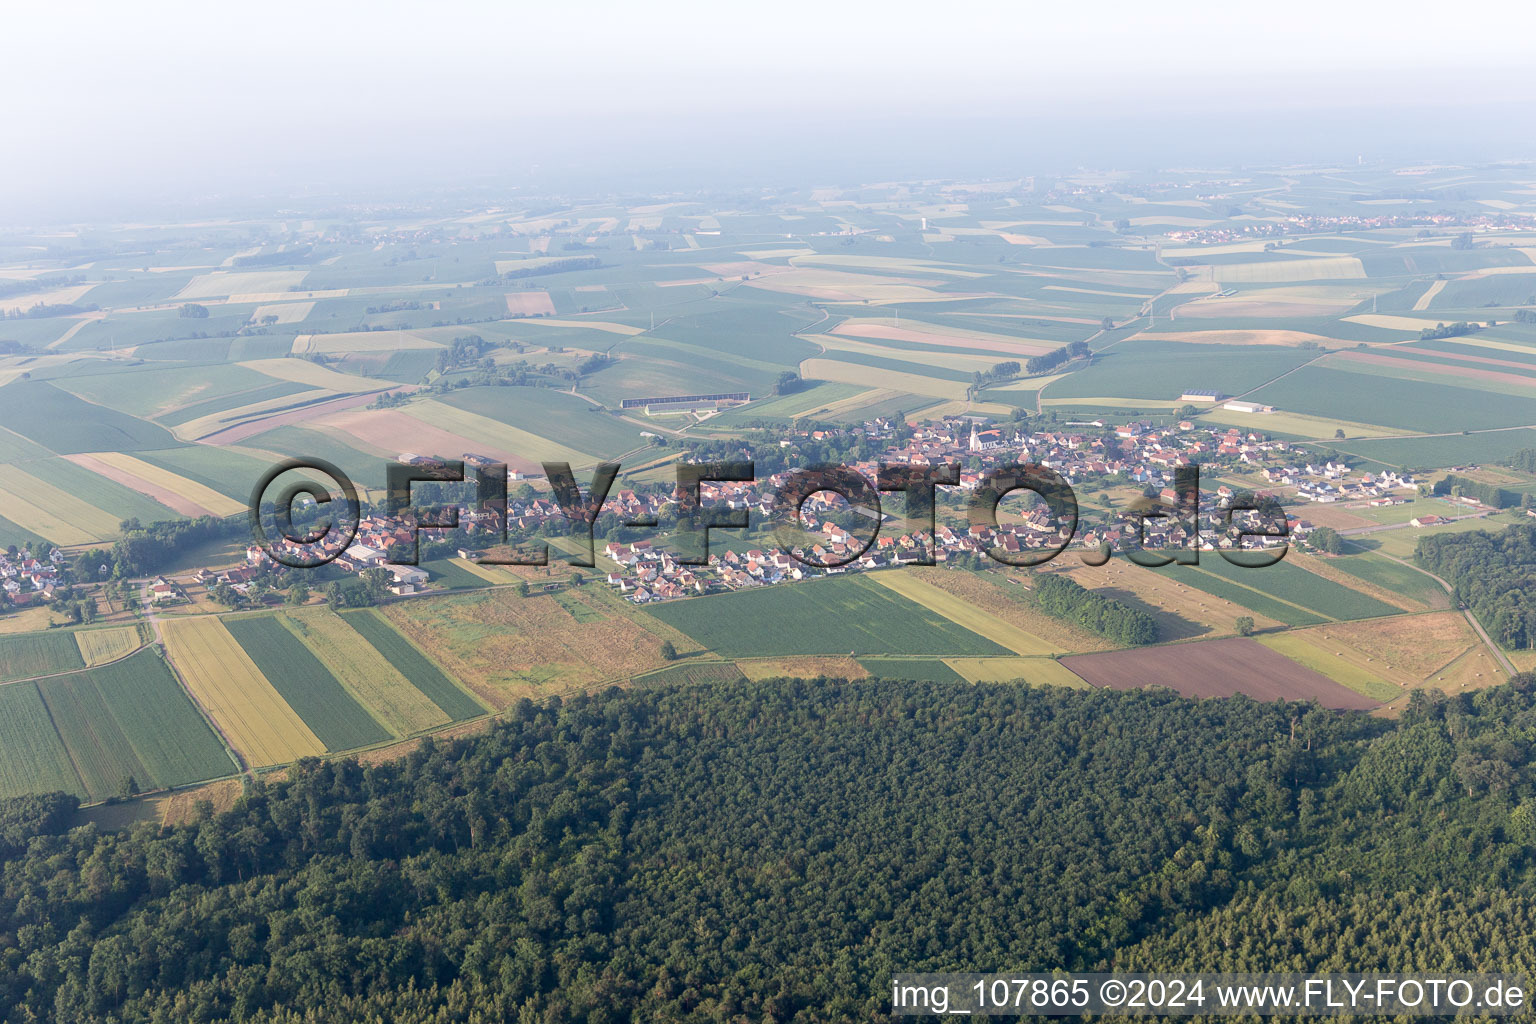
{"points": [[1523, 460], [1065, 598], [559, 266], [1488, 494], [1055, 357], [1454, 330], [141, 550]]}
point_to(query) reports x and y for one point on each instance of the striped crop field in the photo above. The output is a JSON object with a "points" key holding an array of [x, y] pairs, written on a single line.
{"points": [[414, 665], [379, 685], [32, 757], [252, 715], [98, 646], [171, 489], [139, 699], [52, 512], [38, 654], [964, 613], [305, 684]]}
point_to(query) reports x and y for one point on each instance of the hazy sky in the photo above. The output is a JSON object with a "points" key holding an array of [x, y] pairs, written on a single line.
{"points": [[118, 99]]}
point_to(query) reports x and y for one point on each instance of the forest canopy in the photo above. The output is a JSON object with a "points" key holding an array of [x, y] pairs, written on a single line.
{"points": [[771, 851]]}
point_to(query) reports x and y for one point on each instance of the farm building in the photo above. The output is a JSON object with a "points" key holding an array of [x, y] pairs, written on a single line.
{"points": [[1200, 395], [1248, 407]]}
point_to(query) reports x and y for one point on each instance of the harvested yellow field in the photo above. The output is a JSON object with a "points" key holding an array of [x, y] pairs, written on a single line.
{"points": [[1314, 654], [286, 312], [1296, 423], [52, 512], [818, 368], [1429, 294], [1034, 671], [26, 620], [963, 613], [596, 325], [489, 573], [302, 371], [1095, 291], [361, 341], [844, 286], [802, 668], [99, 646], [1390, 322], [894, 263], [221, 677], [391, 698], [219, 284], [1181, 612], [56, 297], [1329, 268], [1435, 649], [170, 489], [483, 429], [529, 303]]}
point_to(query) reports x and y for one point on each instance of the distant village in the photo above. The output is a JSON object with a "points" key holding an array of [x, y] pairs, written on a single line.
{"points": [[1134, 453]]}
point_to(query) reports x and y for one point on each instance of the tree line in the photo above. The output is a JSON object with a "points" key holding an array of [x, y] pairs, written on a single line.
{"points": [[1054, 358], [1488, 494], [1067, 599], [1494, 575], [771, 851]]}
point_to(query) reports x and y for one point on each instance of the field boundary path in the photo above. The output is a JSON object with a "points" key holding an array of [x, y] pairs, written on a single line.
{"points": [[154, 625], [1498, 655], [1355, 531]]}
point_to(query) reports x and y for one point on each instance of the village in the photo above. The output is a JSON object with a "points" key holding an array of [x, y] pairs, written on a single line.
{"points": [[1135, 457]]}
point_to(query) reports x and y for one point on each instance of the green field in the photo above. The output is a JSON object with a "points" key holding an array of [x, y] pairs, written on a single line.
{"points": [[1159, 371], [553, 414], [126, 719], [327, 708], [692, 674], [1253, 600], [67, 424], [1392, 576], [1298, 586], [227, 472], [1448, 450], [38, 654], [32, 756], [919, 669], [1410, 405], [456, 577], [841, 615], [414, 665]]}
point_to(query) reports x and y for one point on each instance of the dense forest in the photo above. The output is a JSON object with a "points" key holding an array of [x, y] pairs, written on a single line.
{"points": [[1494, 575], [773, 851]]}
